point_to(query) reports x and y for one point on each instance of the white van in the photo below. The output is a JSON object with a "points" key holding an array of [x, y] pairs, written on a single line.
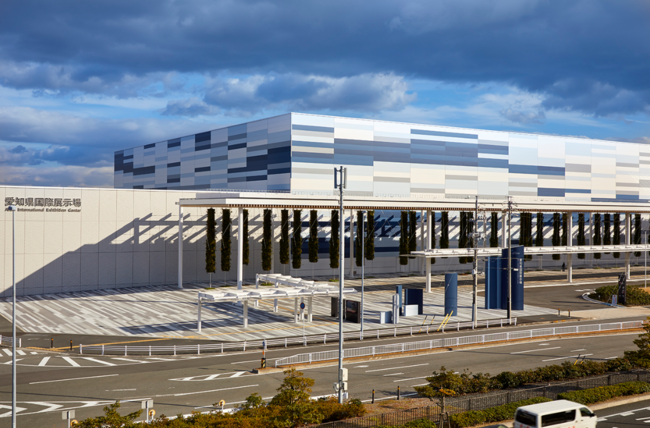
{"points": [[556, 414]]}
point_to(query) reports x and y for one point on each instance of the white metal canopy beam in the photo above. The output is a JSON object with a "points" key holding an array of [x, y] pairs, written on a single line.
{"points": [[495, 251]]}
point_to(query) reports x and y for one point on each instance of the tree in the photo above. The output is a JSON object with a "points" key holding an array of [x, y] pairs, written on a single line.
{"points": [[617, 233], [370, 236], [637, 233], [358, 239], [539, 234], [284, 237], [494, 230], [112, 419], [267, 241], [334, 239], [403, 238], [555, 239], [597, 236], [641, 357], [296, 240], [462, 237], [470, 234], [581, 233], [526, 232], [294, 400], [211, 244], [226, 242], [313, 236], [607, 231], [246, 246]]}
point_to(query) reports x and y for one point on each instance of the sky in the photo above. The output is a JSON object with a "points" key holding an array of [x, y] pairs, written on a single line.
{"points": [[82, 79]]}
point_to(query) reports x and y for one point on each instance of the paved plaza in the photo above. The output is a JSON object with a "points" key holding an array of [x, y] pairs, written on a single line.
{"points": [[166, 311]]}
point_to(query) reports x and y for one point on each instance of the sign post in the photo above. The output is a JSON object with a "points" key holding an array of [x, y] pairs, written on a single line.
{"points": [[67, 415]]}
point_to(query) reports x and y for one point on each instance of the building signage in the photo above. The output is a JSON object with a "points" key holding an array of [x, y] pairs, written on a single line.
{"points": [[52, 205]]}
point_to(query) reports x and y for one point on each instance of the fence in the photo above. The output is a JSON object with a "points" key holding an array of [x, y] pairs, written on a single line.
{"points": [[8, 340], [370, 351], [484, 401], [285, 342]]}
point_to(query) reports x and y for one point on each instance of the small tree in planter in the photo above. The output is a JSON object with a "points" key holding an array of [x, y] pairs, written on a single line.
{"points": [[470, 234], [370, 236], [617, 233], [267, 241], [313, 236], [494, 230], [358, 239], [444, 229], [462, 237], [413, 225], [637, 233], [403, 238], [526, 232], [296, 240], [284, 237], [334, 239], [211, 244], [607, 230], [539, 233], [597, 236], [555, 240], [226, 242], [581, 233]]}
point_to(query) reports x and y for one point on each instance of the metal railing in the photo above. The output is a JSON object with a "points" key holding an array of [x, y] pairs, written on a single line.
{"points": [[287, 341], [369, 351], [454, 405]]}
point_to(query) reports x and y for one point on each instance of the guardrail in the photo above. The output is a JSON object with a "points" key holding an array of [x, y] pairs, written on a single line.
{"points": [[370, 351], [8, 340], [285, 342]]}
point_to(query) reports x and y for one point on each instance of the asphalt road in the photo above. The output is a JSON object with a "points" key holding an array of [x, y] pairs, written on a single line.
{"points": [[184, 384], [627, 416]]}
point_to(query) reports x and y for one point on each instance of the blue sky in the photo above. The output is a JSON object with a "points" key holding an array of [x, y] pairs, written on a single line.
{"points": [[79, 80]]}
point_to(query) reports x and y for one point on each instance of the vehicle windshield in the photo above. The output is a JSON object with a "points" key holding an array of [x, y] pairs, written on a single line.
{"points": [[526, 418], [586, 412]]}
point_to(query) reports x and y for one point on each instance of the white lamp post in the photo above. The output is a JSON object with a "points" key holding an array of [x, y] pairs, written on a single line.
{"points": [[13, 210]]}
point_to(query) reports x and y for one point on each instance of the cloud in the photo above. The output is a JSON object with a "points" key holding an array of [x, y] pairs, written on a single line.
{"points": [[68, 176], [190, 107], [124, 49], [366, 92]]}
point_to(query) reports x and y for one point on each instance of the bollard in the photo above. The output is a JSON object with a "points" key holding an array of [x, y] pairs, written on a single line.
{"points": [[103, 350], [569, 314], [126, 348], [71, 345], [81, 349], [150, 350], [558, 312], [398, 393], [52, 342], [373, 396], [174, 349], [263, 364], [198, 349]]}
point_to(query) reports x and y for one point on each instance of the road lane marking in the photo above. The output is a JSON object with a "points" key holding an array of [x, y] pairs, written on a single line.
{"points": [[393, 374], [9, 362], [571, 356], [204, 392], [99, 361], [411, 378], [535, 350], [6, 351], [43, 361], [20, 352], [642, 419], [71, 361], [74, 378], [578, 350], [129, 360], [397, 368], [254, 361], [238, 374]]}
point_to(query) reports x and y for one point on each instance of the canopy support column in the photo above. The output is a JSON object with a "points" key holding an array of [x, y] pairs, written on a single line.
{"points": [[310, 316], [628, 241], [295, 310], [180, 246], [352, 264], [569, 242], [245, 313], [198, 324], [240, 248], [427, 260]]}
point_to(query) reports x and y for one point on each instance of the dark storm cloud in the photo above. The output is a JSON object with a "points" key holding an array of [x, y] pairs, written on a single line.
{"points": [[538, 46]]}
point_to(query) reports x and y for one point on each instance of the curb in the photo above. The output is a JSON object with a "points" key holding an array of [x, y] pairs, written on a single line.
{"points": [[437, 350]]}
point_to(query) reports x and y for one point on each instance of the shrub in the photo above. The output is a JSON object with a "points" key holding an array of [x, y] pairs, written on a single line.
{"points": [[635, 295], [604, 393], [493, 414]]}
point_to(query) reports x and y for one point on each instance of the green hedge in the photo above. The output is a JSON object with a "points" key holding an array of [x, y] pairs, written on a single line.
{"points": [[604, 393], [635, 296], [418, 423], [493, 414]]}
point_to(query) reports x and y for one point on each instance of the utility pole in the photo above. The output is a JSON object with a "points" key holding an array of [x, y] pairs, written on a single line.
{"points": [[510, 259], [363, 262], [475, 268], [340, 179]]}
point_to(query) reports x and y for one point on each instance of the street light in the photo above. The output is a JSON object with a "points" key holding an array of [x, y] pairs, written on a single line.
{"points": [[340, 181], [13, 210], [363, 261]]}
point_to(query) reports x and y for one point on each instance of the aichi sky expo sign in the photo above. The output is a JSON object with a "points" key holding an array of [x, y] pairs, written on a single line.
{"points": [[54, 205]]}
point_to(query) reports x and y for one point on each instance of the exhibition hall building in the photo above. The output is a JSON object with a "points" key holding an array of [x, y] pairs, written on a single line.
{"points": [[76, 239]]}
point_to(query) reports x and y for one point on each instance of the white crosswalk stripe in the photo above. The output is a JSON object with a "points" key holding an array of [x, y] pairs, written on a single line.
{"points": [[20, 352], [44, 361], [99, 361], [71, 361], [8, 352]]}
